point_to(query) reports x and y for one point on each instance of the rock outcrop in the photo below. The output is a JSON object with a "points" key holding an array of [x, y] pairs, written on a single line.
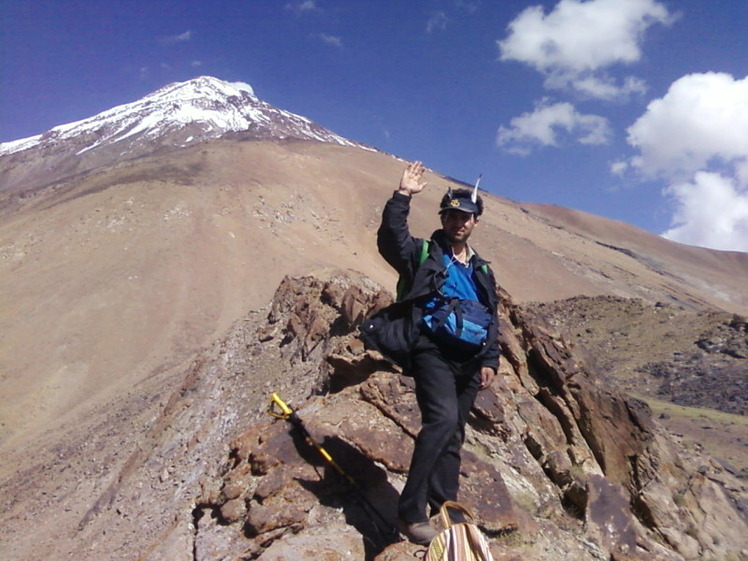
{"points": [[554, 467]]}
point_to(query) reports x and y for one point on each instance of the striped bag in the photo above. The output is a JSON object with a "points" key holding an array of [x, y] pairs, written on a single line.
{"points": [[458, 542]]}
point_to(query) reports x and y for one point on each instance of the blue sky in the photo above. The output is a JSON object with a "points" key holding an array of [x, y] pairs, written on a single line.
{"points": [[635, 110]]}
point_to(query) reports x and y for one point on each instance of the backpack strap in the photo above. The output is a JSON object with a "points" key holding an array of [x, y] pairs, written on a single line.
{"points": [[402, 289]]}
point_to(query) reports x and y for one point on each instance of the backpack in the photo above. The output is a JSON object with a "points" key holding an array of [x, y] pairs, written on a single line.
{"points": [[463, 541]]}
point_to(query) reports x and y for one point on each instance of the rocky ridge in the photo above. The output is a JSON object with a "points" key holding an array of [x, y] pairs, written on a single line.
{"points": [[696, 362], [714, 376], [555, 466], [693, 358]]}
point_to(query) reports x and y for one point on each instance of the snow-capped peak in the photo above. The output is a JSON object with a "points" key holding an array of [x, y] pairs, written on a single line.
{"points": [[178, 114]]}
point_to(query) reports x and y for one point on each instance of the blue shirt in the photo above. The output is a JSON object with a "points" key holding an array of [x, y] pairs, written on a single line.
{"points": [[459, 282]]}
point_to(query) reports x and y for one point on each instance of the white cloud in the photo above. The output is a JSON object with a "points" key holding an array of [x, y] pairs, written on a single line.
{"points": [[304, 7], [619, 168], [544, 125], [711, 211], [702, 118], [574, 43], [469, 6], [437, 22], [331, 40], [696, 138], [174, 39], [600, 86]]}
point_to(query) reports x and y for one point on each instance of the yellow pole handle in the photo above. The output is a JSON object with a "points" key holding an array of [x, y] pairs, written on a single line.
{"points": [[288, 414], [286, 411]]}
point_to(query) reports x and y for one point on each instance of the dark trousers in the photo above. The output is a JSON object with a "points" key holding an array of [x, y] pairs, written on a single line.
{"points": [[445, 390]]}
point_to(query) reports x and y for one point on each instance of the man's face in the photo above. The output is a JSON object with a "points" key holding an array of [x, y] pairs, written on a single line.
{"points": [[458, 225]]}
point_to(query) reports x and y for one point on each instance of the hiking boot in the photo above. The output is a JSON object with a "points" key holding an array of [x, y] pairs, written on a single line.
{"points": [[417, 532]]}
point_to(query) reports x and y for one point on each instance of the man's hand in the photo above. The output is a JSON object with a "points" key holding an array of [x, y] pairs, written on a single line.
{"points": [[486, 376], [411, 182]]}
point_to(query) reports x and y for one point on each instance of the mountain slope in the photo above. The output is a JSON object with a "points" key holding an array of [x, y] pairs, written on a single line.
{"points": [[131, 269], [115, 278], [709, 271]]}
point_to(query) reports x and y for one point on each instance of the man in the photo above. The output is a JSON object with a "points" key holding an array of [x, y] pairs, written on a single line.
{"points": [[448, 371]]}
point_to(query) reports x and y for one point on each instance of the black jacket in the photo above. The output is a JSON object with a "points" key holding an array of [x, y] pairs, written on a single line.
{"points": [[402, 251]]}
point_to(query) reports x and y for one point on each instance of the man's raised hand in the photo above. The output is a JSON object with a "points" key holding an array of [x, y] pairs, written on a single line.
{"points": [[411, 182]]}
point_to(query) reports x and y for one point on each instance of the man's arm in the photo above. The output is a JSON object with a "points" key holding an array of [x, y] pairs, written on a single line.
{"points": [[490, 362], [394, 241]]}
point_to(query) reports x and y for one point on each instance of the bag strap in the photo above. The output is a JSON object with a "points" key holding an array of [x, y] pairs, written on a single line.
{"points": [[444, 512], [402, 289], [453, 305], [425, 247], [457, 307]]}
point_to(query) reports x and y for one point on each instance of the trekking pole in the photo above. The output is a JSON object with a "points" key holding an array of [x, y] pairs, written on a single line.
{"points": [[280, 410]]}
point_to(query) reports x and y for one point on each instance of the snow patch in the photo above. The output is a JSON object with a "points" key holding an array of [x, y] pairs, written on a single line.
{"points": [[218, 107]]}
